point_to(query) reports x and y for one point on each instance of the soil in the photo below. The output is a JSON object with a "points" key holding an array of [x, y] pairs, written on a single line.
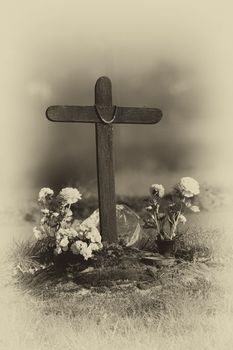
{"points": [[114, 268]]}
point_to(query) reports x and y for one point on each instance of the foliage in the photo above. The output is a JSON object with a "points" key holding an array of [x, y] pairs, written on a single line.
{"points": [[58, 233], [189, 306], [165, 217]]}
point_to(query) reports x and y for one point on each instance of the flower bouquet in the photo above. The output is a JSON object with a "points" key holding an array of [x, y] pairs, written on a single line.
{"points": [[165, 215], [58, 234]]}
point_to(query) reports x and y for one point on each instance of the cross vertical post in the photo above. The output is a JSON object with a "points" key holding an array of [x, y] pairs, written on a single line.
{"points": [[105, 164]]}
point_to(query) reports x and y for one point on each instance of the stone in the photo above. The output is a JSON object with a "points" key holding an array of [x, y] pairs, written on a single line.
{"points": [[130, 231]]}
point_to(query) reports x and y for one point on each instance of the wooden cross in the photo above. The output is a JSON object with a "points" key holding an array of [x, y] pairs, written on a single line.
{"points": [[104, 115]]}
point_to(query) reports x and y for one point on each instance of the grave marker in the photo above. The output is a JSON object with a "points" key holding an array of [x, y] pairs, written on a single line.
{"points": [[104, 115]]}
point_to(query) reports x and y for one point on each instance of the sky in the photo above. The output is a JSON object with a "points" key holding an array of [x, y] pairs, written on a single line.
{"points": [[174, 55]]}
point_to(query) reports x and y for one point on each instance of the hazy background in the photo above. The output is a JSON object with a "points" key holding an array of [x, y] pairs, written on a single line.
{"points": [[174, 55]]}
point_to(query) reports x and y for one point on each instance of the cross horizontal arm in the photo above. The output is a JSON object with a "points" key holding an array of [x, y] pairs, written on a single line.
{"points": [[87, 114]]}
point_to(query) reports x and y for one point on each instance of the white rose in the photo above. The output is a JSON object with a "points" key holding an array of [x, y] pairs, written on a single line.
{"points": [[45, 194], [64, 242], [188, 187], [86, 252], [157, 190], [70, 195]]}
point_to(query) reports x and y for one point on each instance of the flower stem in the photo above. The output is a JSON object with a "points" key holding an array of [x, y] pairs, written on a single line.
{"points": [[174, 226]]}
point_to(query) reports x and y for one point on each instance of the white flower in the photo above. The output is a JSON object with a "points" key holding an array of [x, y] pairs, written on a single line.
{"points": [[37, 233], [71, 232], [45, 194], [65, 224], [45, 211], [66, 221], [66, 232], [182, 219], [57, 250], [78, 246], [61, 233], [80, 233], [64, 242], [157, 190], [195, 208], [91, 233], [43, 220], [188, 187], [58, 235], [70, 195], [86, 253], [95, 246], [55, 214], [69, 212]]}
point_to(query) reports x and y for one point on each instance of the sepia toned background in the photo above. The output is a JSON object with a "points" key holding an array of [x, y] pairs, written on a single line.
{"points": [[175, 55]]}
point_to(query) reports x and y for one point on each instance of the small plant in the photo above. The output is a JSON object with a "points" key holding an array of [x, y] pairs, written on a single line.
{"points": [[57, 232], [165, 215]]}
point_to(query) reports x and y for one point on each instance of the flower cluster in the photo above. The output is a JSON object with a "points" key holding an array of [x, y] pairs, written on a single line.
{"points": [[45, 195], [157, 191], [165, 215], [70, 195], [56, 225], [188, 187], [89, 241]]}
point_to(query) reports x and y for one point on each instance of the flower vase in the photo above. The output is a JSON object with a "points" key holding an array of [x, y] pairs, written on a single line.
{"points": [[166, 247]]}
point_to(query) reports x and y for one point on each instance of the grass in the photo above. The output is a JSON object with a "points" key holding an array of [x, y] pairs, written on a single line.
{"points": [[189, 307]]}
